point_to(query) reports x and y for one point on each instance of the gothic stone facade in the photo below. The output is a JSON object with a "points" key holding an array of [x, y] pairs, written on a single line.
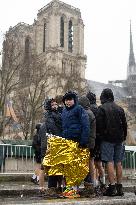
{"points": [[57, 37]]}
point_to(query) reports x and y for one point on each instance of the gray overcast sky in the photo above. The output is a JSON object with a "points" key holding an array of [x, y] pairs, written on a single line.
{"points": [[106, 31]]}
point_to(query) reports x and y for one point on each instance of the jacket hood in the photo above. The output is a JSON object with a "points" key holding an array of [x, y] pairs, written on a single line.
{"points": [[37, 127], [84, 102], [47, 104], [107, 95], [92, 97], [70, 95]]}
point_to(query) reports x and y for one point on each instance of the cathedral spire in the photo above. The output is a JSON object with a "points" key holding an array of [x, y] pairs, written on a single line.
{"points": [[131, 53]]}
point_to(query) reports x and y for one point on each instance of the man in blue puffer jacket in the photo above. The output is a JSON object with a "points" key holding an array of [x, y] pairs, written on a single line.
{"points": [[75, 120]]}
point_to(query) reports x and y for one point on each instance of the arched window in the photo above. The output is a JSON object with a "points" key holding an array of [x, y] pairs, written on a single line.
{"points": [[61, 32], [25, 73], [71, 65], [63, 66], [70, 36], [44, 35], [27, 45], [27, 49]]}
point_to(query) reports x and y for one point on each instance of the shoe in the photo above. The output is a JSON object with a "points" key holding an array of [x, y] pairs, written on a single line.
{"points": [[110, 191], [66, 191], [98, 191], [70, 193], [35, 181], [119, 188], [103, 188]]}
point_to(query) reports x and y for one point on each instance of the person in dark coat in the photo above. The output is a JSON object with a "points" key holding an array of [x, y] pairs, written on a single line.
{"points": [[100, 174], [52, 125], [112, 131], [36, 145], [75, 120], [84, 102], [75, 123]]}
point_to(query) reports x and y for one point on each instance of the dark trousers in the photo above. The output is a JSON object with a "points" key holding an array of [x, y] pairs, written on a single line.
{"points": [[54, 180], [88, 178]]}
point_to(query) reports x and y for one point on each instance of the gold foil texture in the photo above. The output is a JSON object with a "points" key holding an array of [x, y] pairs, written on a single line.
{"points": [[64, 157]]}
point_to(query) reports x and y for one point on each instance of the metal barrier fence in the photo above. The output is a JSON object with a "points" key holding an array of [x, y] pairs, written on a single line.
{"points": [[129, 163], [21, 159], [16, 158]]}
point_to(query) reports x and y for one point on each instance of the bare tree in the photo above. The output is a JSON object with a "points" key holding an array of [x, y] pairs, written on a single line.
{"points": [[29, 99], [8, 76], [31, 79], [72, 81]]}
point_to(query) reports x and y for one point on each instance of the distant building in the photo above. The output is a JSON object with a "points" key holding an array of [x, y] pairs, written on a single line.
{"points": [[57, 37], [131, 71], [129, 85]]}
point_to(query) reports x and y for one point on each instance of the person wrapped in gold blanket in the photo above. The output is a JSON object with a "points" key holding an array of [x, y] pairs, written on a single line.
{"points": [[68, 155]]}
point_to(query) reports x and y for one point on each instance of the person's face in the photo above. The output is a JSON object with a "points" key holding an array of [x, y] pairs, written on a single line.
{"points": [[69, 102], [54, 106]]}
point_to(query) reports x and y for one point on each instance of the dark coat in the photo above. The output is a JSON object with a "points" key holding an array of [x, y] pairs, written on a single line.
{"points": [[75, 123], [42, 133], [36, 144], [94, 109], [111, 121], [84, 102], [51, 125]]}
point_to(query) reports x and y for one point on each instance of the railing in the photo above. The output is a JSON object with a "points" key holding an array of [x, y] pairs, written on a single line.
{"points": [[129, 163], [16, 158], [21, 159]]}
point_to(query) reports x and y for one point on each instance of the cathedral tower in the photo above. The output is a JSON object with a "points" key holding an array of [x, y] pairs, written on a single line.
{"points": [[57, 37], [131, 71]]}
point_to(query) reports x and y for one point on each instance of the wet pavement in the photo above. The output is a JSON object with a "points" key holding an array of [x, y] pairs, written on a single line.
{"points": [[127, 199], [20, 185], [25, 192]]}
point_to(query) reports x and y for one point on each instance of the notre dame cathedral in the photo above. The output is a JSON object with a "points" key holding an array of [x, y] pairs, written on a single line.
{"points": [[56, 40]]}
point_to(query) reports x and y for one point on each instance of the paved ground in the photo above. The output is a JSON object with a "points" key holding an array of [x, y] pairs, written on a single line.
{"points": [[25, 192], [127, 199]]}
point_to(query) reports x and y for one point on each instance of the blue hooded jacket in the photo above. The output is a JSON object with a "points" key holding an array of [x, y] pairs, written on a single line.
{"points": [[75, 121]]}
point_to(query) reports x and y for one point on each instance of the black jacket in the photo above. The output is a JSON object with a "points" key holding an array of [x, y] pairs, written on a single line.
{"points": [[52, 125], [36, 144], [111, 121]]}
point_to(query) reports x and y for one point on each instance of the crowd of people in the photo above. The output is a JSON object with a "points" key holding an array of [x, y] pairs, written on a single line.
{"points": [[84, 139]]}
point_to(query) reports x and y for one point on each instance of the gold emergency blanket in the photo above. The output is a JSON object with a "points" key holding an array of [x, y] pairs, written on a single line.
{"points": [[63, 157]]}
